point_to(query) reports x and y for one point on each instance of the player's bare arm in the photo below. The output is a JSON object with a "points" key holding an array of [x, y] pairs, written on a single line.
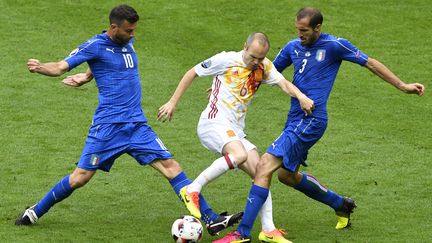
{"points": [[384, 73], [306, 104], [49, 69], [166, 111], [78, 79]]}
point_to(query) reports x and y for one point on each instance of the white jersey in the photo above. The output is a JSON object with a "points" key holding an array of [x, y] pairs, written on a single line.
{"points": [[234, 85]]}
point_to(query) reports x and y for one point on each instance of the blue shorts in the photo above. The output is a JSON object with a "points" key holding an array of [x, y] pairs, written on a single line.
{"points": [[298, 137], [107, 141]]}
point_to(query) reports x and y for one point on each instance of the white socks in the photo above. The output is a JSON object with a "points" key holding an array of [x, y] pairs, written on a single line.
{"points": [[266, 214], [216, 169]]}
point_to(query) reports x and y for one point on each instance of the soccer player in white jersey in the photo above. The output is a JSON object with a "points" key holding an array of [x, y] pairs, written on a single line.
{"points": [[236, 78]]}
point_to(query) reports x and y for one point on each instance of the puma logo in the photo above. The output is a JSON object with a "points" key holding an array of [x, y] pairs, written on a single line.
{"points": [[111, 50]]}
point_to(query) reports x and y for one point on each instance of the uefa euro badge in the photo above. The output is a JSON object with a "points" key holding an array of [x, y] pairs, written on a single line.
{"points": [[320, 55], [124, 49]]}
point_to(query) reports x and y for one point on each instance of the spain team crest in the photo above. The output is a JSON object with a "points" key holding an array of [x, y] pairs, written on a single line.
{"points": [[320, 55]]}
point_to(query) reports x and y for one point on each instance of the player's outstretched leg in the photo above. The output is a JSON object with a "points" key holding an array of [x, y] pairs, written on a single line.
{"points": [[312, 188], [59, 192], [344, 213]]}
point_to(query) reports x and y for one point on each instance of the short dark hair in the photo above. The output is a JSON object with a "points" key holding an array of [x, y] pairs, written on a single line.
{"points": [[123, 12], [315, 15], [260, 37]]}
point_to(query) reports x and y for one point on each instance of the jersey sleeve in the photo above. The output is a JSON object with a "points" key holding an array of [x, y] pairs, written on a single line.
{"points": [[85, 52], [271, 76], [283, 59], [350, 53], [215, 65]]}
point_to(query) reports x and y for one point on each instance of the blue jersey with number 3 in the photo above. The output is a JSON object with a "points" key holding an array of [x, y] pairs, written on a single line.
{"points": [[315, 69], [115, 69]]}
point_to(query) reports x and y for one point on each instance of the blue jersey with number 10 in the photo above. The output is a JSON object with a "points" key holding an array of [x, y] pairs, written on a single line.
{"points": [[315, 69], [115, 69]]}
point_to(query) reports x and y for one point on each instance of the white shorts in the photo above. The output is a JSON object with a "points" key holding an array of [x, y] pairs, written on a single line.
{"points": [[214, 134]]}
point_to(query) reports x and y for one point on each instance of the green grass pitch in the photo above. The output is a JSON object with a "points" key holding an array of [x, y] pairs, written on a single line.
{"points": [[377, 148]]}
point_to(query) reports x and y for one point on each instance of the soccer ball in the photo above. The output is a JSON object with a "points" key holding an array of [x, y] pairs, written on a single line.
{"points": [[187, 229]]}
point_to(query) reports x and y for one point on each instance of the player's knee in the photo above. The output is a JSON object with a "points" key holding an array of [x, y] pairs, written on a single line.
{"points": [[240, 157], [262, 170], [80, 177], [169, 168], [77, 181]]}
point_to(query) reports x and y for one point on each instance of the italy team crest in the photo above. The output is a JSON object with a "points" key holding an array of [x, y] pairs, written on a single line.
{"points": [[95, 159], [320, 55]]}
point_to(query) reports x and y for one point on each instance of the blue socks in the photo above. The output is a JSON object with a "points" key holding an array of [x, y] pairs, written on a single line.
{"points": [[180, 181], [59, 192], [257, 197], [62, 190], [313, 189]]}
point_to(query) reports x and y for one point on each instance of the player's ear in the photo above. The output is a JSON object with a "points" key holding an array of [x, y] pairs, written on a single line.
{"points": [[318, 27], [113, 26], [245, 47]]}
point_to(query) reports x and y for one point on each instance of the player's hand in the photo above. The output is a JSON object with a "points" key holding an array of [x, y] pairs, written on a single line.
{"points": [[33, 65], [306, 104], [414, 88], [166, 112], [76, 80]]}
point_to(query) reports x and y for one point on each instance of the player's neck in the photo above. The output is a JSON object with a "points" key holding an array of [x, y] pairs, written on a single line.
{"points": [[110, 34], [315, 39]]}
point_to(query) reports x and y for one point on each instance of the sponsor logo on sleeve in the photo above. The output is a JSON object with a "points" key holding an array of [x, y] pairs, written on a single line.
{"points": [[357, 55], [74, 52], [206, 63]]}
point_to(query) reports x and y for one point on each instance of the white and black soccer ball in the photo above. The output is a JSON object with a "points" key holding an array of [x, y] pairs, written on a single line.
{"points": [[187, 229]]}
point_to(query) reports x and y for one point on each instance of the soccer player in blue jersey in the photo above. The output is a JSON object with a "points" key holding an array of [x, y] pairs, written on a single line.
{"points": [[316, 58], [119, 125]]}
